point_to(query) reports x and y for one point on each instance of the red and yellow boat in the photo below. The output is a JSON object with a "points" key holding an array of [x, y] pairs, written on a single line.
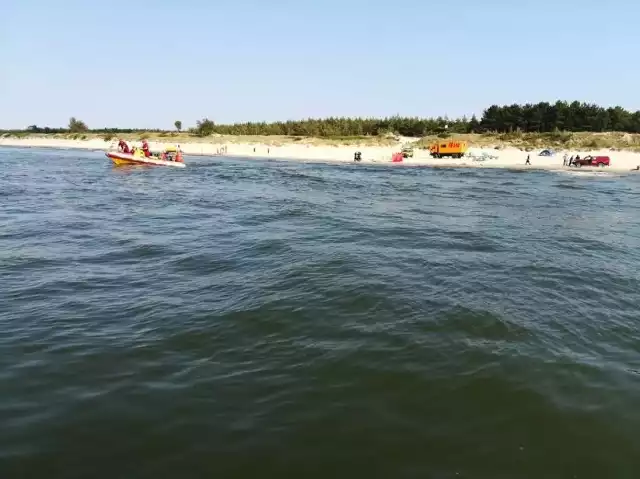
{"points": [[171, 156]]}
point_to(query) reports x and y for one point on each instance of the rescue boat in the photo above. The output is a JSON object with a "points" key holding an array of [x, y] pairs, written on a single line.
{"points": [[169, 157]]}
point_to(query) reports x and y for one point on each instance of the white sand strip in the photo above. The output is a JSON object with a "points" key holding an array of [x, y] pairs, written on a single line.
{"points": [[511, 158]]}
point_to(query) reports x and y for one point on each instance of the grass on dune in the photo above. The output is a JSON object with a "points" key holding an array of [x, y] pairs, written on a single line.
{"points": [[524, 141]]}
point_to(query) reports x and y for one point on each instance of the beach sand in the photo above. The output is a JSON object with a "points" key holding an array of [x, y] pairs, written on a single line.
{"points": [[510, 158]]}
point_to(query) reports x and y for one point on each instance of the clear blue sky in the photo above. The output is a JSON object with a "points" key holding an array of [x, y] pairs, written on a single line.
{"points": [[246, 60]]}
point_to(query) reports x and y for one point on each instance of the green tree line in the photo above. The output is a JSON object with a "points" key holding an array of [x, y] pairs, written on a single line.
{"points": [[541, 117], [562, 116], [47, 130], [338, 127]]}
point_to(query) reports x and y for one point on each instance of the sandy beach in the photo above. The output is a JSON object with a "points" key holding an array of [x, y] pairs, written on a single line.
{"points": [[511, 158]]}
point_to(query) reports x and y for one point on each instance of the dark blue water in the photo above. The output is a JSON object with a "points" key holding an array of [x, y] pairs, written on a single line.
{"points": [[276, 319]]}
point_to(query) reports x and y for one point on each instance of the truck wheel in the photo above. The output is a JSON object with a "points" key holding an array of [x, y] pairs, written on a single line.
{"points": [[578, 165], [601, 165]]}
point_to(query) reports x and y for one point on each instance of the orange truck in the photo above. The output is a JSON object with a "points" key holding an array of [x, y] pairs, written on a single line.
{"points": [[453, 148]]}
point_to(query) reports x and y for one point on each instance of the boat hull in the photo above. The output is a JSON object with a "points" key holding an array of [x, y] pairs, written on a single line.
{"points": [[124, 159]]}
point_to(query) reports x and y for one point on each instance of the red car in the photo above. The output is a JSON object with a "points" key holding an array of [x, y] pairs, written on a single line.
{"points": [[601, 161]]}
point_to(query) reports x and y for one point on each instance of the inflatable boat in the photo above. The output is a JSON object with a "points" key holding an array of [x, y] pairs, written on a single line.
{"points": [[169, 157]]}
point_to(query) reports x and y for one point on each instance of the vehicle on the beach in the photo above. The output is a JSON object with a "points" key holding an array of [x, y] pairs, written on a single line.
{"points": [[407, 152], [589, 160], [452, 148], [547, 153], [171, 156]]}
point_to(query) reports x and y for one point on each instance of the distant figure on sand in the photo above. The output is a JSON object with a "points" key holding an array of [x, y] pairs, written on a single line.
{"points": [[528, 162], [564, 160]]}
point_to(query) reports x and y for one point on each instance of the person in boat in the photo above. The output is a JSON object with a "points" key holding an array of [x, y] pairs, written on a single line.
{"points": [[145, 148], [123, 147], [171, 154]]}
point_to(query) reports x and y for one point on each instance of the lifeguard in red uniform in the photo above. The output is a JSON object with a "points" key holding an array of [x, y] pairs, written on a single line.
{"points": [[145, 148], [123, 147]]}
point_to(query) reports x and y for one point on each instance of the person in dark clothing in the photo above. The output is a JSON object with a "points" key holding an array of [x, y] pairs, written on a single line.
{"points": [[123, 147], [528, 162]]}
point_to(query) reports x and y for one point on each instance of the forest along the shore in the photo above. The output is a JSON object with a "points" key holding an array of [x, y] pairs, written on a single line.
{"points": [[541, 117]]}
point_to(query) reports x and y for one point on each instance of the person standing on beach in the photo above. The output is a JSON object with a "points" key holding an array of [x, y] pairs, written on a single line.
{"points": [[528, 162], [564, 160]]}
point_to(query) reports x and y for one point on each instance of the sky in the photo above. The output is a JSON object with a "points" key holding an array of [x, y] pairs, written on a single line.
{"points": [[146, 64]]}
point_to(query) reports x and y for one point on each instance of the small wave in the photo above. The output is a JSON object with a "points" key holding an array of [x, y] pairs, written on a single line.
{"points": [[589, 174], [478, 324], [569, 186], [302, 176], [469, 173]]}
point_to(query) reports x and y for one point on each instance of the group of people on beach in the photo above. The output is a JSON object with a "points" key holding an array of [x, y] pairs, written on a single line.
{"points": [[569, 161], [566, 161]]}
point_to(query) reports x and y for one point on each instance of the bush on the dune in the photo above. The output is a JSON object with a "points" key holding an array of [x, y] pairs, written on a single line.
{"points": [[76, 126]]}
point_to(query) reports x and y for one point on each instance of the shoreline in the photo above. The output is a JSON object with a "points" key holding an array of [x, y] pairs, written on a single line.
{"points": [[506, 158]]}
